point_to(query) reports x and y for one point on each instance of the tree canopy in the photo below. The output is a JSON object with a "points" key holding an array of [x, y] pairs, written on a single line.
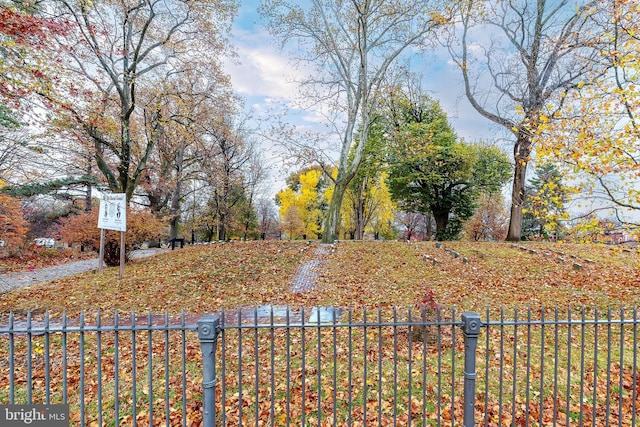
{"points": [[352, 44], [431, 171]]}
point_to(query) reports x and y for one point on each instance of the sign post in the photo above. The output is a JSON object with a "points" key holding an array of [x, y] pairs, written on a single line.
{"points": [[113, 216]]}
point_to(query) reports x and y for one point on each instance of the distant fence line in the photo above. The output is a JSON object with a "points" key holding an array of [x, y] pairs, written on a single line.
{"points": [[327, 366]]}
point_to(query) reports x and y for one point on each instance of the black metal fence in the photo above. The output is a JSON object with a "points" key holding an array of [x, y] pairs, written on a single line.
{"points": [[284, 367]]}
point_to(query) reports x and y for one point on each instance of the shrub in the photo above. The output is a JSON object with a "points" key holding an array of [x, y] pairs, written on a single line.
{"points": [[427, 309], [82, 229], [13, 227]]}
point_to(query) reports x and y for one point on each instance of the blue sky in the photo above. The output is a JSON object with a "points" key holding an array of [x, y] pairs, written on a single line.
{"points": [[264, 77]]}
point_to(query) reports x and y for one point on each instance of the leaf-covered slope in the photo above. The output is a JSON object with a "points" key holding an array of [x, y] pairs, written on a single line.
{"points": [[471, 276]]}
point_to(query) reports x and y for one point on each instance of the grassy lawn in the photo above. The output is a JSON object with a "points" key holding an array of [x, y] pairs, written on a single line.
{"points": [[378, 375]]}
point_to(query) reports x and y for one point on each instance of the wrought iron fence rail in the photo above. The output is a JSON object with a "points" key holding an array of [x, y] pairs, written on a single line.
{"points": [[378, 368]]}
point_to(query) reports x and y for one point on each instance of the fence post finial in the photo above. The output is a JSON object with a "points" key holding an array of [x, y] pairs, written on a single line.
{"points": [[208, 328], [471, 330]]}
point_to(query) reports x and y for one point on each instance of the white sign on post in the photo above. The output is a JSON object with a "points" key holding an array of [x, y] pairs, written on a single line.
{"points": [[113, 216], [113, 212]]}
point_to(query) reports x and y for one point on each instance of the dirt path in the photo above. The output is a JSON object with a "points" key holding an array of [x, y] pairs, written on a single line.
{"points": [[19, 279]]}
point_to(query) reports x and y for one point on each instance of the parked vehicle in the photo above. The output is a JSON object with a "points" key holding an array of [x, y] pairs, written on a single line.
{"points": [[47, 242]]}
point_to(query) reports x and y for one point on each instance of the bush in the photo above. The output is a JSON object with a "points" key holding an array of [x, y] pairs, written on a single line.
{"points": [[13, 227], [82, 229], [428, 311]]}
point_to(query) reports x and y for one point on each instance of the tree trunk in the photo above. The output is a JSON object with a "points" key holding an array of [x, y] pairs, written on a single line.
{"points": [[359, 211], [428, 227], [173, 227], [332, 219], [174, 209], [521, 153], [222, 229], [442, 220], [359, 231]]}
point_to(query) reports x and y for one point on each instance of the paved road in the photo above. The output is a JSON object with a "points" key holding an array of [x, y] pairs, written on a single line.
{"points": [[10, 281]]}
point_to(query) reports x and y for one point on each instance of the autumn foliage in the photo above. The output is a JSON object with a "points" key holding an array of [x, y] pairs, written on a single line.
{"points": [[13, 227], [496, 277], [82, 230]]}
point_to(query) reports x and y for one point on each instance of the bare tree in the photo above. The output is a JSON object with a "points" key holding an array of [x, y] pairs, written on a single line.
{"points": [[352, 43], [267, 217], [226, 153], [186, 100], [516, 57], [111, 51]]}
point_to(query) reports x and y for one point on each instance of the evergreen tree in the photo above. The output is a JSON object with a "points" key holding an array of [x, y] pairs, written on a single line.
{"points": [[544, 205]]}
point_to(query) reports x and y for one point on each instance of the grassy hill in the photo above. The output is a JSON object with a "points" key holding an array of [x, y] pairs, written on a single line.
{"points": [[471, 276]]}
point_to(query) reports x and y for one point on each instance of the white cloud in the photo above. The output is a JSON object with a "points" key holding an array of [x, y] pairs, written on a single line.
{"points": [[261, 69]]}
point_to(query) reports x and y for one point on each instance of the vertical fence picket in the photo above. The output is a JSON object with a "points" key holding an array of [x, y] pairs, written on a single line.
{"points": [[594, 408], [183, 366], [223, 367], [256, 358], [150, 367], [542, 357], [634, 375], [167, 389], [395, 366], [47, 364], [379, 366], [304, 369], [582, 360], [319, 368], [12, 361], [364, 368], [453, 369], [527, 389], [410, 374], [608, 368], [65, 399], [501, 363], [349, 369], [134, 397], [439, 348], [334, 333], [272, 361], [621, 365], [288, 367], [240, 396], [423, 316], [29, 359], [82, 370], [555, 366], [487, 335], [116, 367], [99, 365], [514, 366], [568, 394]]}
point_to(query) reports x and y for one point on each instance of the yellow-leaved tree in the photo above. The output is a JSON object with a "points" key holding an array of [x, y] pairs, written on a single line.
{"points": [[595, 133], [300, 203], [367, 207]]}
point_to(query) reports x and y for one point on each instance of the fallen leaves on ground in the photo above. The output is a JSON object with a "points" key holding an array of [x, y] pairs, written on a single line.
{"points": [[374, 375]]}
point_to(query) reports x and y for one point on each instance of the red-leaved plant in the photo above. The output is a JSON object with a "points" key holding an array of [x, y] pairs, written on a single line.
{"points": [[426, 309]]}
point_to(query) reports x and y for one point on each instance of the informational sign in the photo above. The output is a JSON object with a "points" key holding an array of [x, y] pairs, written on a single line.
{"points": [[113, 212]]}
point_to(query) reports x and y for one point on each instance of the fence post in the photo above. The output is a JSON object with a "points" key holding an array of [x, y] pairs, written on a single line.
{"points": [[208, 326], [471, 330]]}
